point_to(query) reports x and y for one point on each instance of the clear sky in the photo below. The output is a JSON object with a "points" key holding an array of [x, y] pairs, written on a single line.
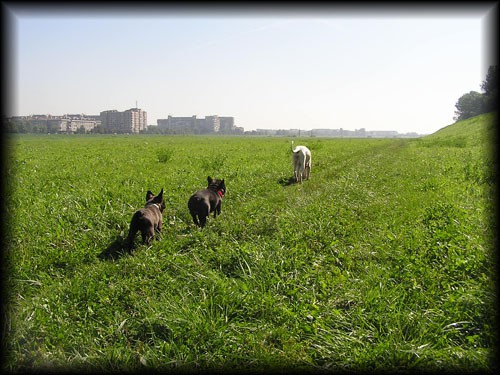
{"points": [[305, 69]]}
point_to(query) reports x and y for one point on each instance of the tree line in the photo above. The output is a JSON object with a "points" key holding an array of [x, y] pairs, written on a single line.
{"points": [[475, 103]]}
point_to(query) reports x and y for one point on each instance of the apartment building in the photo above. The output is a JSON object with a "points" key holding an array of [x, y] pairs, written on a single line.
{"points": [[68, 123], [209, 124], [130, 121], [226, 125], [194, 125], [177, 124]]}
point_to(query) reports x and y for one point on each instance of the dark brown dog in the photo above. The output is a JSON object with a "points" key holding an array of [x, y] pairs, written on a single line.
{"points": [[147, 220], [208, 200]]}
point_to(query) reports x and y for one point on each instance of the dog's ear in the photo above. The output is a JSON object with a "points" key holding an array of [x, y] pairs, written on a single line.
{"points": [[160, 196], [209, 179], [149, 195]]}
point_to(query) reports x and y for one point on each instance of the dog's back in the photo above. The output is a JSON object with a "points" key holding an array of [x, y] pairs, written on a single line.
{"points": [[147, 220], [205, 201], [301, 163], [200, 203]]}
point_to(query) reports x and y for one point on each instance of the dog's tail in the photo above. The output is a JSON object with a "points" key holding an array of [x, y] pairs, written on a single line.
{"points": [[291, 147], [134, 228]]}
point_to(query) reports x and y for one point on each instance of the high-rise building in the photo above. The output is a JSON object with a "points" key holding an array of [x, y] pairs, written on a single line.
{"points": [[193, 125], [130, 121]]}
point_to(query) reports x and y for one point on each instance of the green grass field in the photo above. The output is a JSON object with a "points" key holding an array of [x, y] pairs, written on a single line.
{"points": [[383, 260]]}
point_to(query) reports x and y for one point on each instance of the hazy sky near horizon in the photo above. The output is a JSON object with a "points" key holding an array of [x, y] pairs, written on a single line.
{"points": [[278, 70]]}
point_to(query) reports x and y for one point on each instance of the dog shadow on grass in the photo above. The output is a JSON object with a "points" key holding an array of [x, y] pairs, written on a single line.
{"points": [[286, 181], [114, 251]]}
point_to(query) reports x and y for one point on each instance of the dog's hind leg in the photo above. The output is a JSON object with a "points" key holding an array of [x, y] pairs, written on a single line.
{"points": [[158, 231], [203, 220], [203, 214], [300, 174], [148, 235], [195, 220], [305, 174], [308, 166]]}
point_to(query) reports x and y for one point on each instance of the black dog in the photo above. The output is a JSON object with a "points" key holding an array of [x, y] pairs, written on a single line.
{"points": [[147, 220], [208, 200]]}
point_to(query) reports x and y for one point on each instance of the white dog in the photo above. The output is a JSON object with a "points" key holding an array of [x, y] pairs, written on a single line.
{"points": [[301, 163]]}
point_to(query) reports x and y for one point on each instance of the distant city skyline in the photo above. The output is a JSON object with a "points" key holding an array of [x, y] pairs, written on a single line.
{"points": [[133, 120], [332, 67]]}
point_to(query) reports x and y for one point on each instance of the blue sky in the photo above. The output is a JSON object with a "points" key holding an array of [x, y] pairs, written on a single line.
{"points": [[310, 69]]}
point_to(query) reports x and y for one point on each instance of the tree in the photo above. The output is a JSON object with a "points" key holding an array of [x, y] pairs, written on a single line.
{"points": [[469, 105], [475, 103], [490, 88]]}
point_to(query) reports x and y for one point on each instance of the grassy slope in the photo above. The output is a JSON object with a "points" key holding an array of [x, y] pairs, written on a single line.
{"points": [[381, 260], [475, 131]]}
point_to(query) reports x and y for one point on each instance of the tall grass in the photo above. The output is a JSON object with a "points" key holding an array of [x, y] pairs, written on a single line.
{"points": [[383, 260]]}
